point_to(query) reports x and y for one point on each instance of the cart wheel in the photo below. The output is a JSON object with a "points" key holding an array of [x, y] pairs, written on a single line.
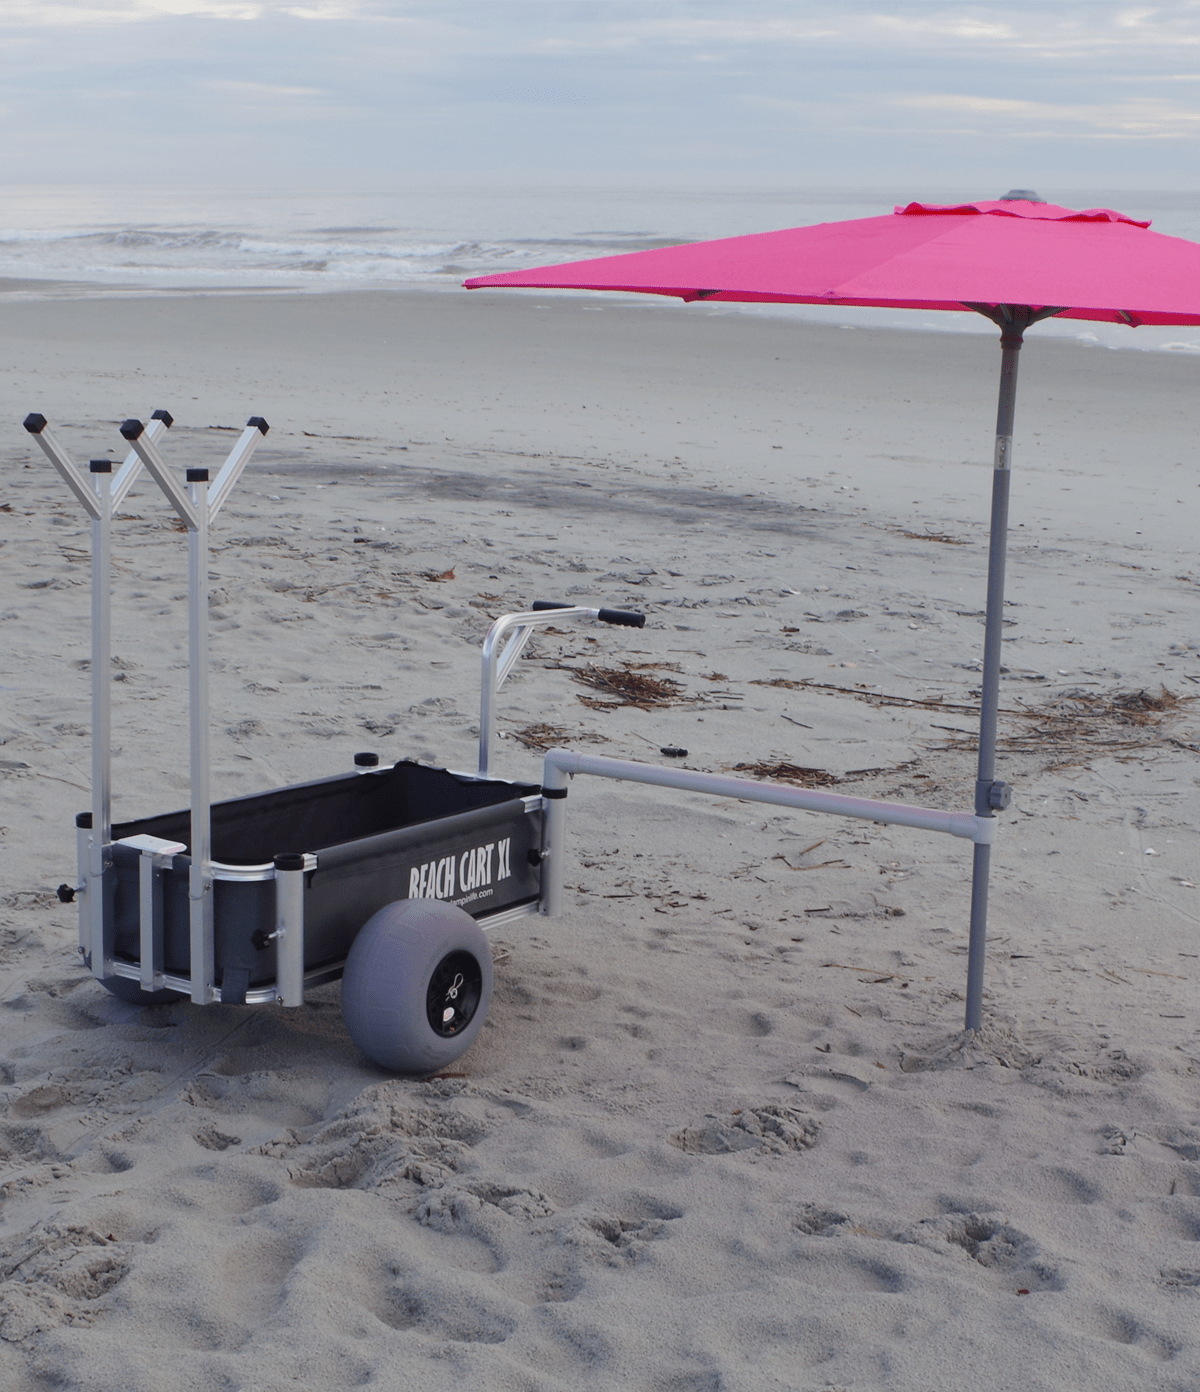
{"points": [[417, 985], [130, 991]]}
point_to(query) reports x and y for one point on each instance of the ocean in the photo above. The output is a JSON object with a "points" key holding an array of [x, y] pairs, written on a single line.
{"points": [[90, 240]]}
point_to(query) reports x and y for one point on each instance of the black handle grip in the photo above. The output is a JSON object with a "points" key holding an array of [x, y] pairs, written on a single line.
{"points": [[539, 605], [628, 618]]}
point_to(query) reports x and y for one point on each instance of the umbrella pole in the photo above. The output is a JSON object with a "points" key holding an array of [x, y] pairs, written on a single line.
{"points": [[991, 796]]}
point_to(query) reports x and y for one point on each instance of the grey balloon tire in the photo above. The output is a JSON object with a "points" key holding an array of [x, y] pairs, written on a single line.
{"points": [[386, 982]]}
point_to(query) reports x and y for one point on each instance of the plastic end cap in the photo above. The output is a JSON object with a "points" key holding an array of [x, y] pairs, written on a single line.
{"points": [[197, 475], [165, 416], [99, 466], [83, 820], [132, 429], [366, 760], [290, 860], [259, 423], [35, 422]]}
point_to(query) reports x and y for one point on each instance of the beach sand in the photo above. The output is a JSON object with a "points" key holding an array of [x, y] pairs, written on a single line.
{"points": [[722, 1131]]}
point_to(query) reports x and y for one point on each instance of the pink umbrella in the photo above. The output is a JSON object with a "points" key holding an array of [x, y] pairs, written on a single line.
{"points": [[1015, 260]]}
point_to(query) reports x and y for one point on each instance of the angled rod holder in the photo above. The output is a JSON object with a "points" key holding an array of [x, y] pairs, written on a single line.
{"points": [[197, 501], [99, 493]]}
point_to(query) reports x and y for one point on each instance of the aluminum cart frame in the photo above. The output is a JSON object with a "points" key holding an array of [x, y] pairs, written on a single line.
{"points": [[254, 899]]}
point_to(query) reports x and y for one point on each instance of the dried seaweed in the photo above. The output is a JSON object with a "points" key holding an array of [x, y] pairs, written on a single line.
{"points": [[543, 737], [1074, 725], [873, 698], [779, 772], [631, 684], [943, 537]]}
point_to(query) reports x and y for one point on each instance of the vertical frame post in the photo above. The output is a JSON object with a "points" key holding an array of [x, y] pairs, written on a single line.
{"points": [[98, 852], [200, 883], [289, 926]]}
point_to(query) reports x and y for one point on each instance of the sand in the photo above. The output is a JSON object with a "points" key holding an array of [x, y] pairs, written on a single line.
{"points": [[722, 1129]]}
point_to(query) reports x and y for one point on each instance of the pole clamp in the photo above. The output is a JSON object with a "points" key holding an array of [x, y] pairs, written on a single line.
{"points": [[992, 797], [554, 792]]}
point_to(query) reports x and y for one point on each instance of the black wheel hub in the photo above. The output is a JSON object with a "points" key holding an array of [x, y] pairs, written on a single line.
{"points": [[454, 993]]}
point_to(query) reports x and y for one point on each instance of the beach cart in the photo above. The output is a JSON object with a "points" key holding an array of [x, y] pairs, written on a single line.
{"points": [[386, 876]]}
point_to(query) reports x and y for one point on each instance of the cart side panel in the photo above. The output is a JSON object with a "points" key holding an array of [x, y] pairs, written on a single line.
{"points": [[479, 860], [252, 830]]}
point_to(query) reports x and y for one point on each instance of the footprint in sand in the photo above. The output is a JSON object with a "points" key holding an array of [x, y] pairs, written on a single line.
{"points": [[771, 1127]]}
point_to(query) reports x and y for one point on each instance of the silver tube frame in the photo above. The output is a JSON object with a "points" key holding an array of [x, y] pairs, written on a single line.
{"points": [[497, 663], [202, 940], [289, 933], [561, 764], [99, 494]]}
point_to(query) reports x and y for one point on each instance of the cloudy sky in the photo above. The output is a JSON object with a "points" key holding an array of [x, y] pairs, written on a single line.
{"points": [[353, 93]]}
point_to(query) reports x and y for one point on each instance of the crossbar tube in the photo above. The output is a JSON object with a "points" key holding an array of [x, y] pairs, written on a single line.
{"points": [[562, 764]]}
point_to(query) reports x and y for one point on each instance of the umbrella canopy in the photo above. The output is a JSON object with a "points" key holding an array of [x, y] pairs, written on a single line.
{"points": [[1096, 264], [1015, 260]]}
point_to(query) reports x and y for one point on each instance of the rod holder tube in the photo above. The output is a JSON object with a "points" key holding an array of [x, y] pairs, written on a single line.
{"points": [[101, 831], [554, 833], [200, 891], [83, 900], [150, 920], [289, 928], [102, 661]]}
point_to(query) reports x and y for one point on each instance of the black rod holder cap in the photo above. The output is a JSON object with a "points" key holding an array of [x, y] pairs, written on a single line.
{"points": [[132, 428], [290, 860], [35, 422], [99, 466], [165, 416], [366, 760], [83, 820], [197, 476], [259, 423]]}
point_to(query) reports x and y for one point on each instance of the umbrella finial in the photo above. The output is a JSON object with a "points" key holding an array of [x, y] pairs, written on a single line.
{"points": [[1020, 196]]}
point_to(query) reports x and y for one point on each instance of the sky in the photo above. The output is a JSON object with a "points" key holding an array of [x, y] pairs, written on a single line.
{"points": [[372, 93]]}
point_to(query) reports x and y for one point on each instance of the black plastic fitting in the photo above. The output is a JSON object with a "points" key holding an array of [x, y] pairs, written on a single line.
{"points": [[66, 894], [83, 820], [197, 475], [165, 416], [35, 422], [132, 428], [366, 760], [541, 605], [289, 860], [99, 466], [258, 423]]}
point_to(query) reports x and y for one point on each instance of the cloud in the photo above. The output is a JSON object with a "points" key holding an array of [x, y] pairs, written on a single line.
{"points": [[49, 14], [1144, 118]]}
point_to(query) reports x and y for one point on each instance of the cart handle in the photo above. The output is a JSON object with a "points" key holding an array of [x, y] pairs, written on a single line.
{"points": [[497, 661], [629, 618]]}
